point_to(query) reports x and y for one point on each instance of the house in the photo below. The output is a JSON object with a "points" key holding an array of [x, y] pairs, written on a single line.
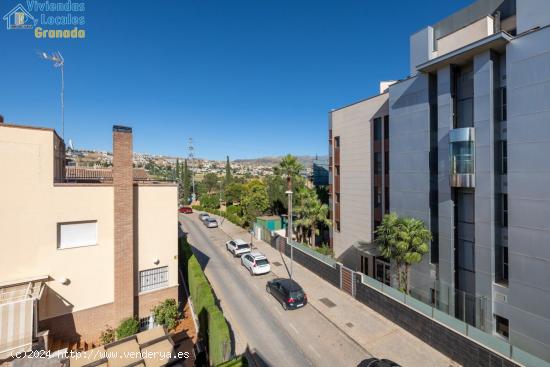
{"points": [[19, 18], [464, 150], [79, 254]]}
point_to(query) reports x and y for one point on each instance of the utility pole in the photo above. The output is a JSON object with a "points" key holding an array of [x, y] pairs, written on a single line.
{"points": [[289, 224], [58, 62], [191, 156]]}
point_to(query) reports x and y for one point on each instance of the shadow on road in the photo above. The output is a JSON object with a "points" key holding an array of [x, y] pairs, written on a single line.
{"points": [[255, 358], [284, 263]]}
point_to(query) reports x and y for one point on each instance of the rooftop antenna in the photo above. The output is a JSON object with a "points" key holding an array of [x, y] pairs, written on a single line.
{"points": [[58, 62], [191, 157]]}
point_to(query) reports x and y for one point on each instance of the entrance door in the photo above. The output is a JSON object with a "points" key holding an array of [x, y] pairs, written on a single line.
{"points": [[383, 271]]}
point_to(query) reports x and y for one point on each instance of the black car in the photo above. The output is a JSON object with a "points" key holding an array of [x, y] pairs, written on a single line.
{"points": [[288, 292], [375, 362]]}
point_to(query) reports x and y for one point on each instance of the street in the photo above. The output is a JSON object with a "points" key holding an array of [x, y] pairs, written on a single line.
{"points": [[301, 337]]}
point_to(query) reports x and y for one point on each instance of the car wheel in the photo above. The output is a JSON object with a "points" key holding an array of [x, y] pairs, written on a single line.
{"points": [[267, 289], [251, 272], [285, 307]]}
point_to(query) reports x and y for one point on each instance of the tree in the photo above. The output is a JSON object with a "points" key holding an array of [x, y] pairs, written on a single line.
{"points": [[234, 192], [290, 168], [228, 174], [311, 214], [185, 183], [255, 201], [210, 181], [404, 240]]}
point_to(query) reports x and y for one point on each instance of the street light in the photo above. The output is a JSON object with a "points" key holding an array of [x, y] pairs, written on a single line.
{"points": [[58, 62], [289, 238]]}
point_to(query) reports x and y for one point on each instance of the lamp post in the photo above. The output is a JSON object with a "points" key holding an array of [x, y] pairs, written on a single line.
{"points": [[58, 62], [289, 238]]}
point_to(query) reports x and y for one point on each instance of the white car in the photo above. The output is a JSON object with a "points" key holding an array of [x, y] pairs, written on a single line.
{"points": [[256, 263], [237, 247], [210, 222]]}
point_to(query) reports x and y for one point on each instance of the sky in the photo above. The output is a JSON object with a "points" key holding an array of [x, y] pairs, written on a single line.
{"points": [[244, 78]]}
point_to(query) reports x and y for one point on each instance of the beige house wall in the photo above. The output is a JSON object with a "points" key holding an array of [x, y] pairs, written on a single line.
{"points": [[32, 206], [464, 36], [353, 124]]}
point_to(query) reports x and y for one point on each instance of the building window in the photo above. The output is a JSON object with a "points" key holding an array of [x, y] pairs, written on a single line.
{"points": [[337, 197], [377, 163], [501, 273], [76, 234], [377, 129], [503, 113], [337, 168], [386, 162], [503, 157], [504, 210], [386, 127], [337, 141], [146, 323], [153, 279], [377, 197], [387, 201], [502, 326], [337, 223]]}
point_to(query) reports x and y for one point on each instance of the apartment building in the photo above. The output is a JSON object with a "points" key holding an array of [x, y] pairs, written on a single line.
{"points": [[468, 138], [79, 252]]}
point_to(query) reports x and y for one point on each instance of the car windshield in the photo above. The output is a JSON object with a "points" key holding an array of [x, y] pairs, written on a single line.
{"points": [[243, 246], [261, 262], [211, 220]]}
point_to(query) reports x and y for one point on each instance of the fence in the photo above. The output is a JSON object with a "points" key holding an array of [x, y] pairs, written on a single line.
{"points": [[466, 344]]}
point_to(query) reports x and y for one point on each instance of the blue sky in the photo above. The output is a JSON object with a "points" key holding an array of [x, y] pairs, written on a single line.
{"points": [[247, 78]]}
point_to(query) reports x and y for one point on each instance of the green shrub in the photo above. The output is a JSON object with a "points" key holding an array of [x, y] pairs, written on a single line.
{"points": [[108, 335], [127, 327], [166, 313], [237, 362], [234, 210], [324, 250], [219, 340], [199, 288], [210, 201]]}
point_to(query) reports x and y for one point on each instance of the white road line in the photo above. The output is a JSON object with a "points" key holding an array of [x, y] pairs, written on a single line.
{"points": [[314, 351], [293, 328]]}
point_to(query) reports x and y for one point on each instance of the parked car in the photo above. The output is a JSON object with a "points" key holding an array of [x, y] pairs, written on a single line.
{"points": [[210, 222], [375, 362], [185, 210], [287, 292], [237, 247], [203, 216], [256, 263]]}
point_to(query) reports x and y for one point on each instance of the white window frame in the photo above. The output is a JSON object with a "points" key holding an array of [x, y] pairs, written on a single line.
{"points": [[61, 246]]}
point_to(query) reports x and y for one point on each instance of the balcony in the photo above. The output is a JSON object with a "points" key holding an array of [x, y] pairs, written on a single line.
{"points": [[462, 157]]}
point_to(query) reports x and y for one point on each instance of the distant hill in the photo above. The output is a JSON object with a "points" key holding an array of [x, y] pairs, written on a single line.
{"points": [[306, 160]]}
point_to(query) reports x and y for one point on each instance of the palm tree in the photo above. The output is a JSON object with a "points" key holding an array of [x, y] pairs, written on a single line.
{"points": [[311, 213], [290, 168], [403, 240]]}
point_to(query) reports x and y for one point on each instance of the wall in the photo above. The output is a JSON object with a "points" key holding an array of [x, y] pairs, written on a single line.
{"points": [[31, 208], [528, 81], [353, 125], [464, 36], [409, 160], [531, 14]]}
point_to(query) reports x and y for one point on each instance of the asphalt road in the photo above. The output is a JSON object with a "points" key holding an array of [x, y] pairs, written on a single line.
{"points": [[300, 337]]}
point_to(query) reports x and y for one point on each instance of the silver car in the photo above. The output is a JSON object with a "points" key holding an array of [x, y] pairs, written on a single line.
{"points": [[256, 263], [210, 222]]}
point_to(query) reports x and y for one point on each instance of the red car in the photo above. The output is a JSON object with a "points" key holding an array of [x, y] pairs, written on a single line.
{"points": [[185, 210]]}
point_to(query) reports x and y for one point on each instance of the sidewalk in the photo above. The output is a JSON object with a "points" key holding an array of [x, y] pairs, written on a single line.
{"points": [[379, 336]]}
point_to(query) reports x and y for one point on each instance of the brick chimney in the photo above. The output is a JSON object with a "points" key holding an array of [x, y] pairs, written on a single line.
{"points": [[124, 223]]}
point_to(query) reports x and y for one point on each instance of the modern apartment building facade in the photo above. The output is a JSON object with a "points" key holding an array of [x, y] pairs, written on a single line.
{"points": [[78, 253], [468, 136]]}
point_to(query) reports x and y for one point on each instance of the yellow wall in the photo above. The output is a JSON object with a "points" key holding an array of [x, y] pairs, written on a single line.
{"points": [[31, 206]]}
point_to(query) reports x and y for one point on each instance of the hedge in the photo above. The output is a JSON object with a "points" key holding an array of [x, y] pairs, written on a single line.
{"points": [[237, 362], [204, 304], [219, 340]]}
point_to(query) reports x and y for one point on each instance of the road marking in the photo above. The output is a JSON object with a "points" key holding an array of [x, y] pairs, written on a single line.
{"points": [[293, 328], [314, 351]]}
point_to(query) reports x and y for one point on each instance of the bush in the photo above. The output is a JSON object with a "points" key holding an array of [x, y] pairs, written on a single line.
{"points": [[108, 335], [234, 218], [237, 362], [166, 313], [219, 340], [234, 210], [210, 201], [127, 327], [199, 288], [324, 250]]}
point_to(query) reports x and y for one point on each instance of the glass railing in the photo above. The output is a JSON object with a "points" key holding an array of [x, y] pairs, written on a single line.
{"points": [[443, 311]]}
